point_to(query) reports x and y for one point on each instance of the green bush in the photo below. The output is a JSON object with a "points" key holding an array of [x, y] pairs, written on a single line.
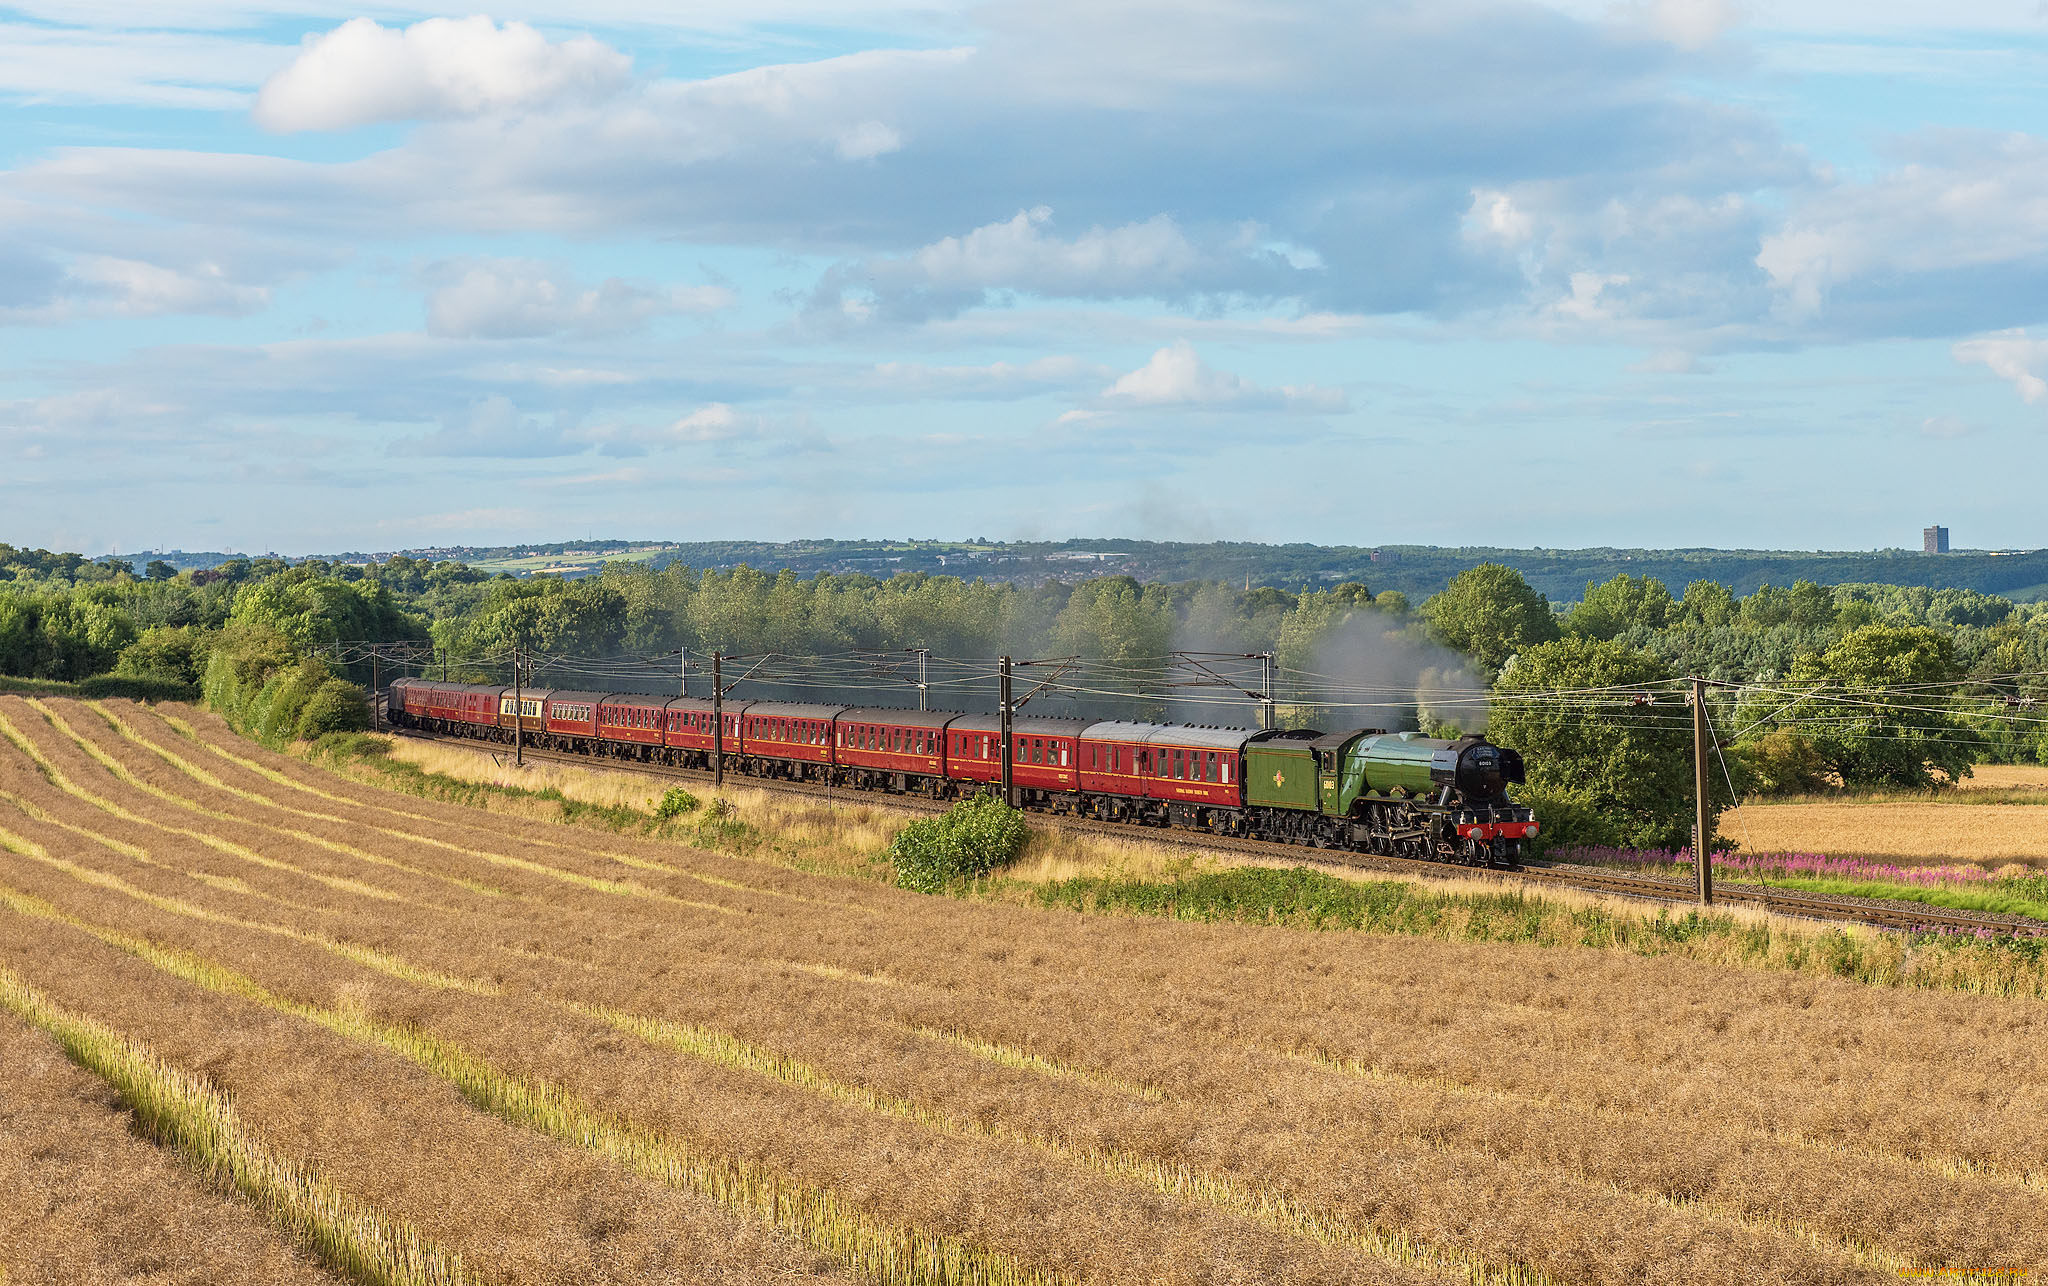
{"points": [[166, 652], [138, 688], [256, 682], [675, 802], [335, 706], [972, 838]]}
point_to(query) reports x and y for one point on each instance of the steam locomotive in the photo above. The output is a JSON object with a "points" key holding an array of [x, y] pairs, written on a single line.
{"points": [[1396, 794]]}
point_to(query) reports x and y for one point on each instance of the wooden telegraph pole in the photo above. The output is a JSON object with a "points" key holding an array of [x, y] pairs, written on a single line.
{"points": [[1703, 826], [1266, 706], [718, 720], [518, 706], [1009, 744]]}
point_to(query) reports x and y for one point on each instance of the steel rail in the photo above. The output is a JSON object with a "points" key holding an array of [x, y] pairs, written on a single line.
{"points": [[1889, 915]]}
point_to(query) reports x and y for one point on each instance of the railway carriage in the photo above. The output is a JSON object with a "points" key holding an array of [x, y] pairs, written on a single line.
{"points": [[1045, 755], [1172, 774], [569, 720], [787, 739], [524, 710], [893, 750], [629, 725], [692, 731]]}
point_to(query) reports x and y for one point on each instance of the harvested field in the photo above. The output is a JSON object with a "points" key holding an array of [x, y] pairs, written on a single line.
{"points": [[1918, 830], [552, 1054]]}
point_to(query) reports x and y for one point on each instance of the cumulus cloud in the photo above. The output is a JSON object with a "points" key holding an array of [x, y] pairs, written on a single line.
{"points": [[2012, 356], [1176, 376], [524, 298], [361, 73]]}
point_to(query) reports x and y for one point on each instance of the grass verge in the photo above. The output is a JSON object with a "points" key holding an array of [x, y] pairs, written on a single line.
{"points": [[189, 1115], [1301, 898]]}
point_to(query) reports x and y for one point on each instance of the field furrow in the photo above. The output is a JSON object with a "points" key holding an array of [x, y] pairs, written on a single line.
{"points": [[771, 1148], [518, 1208], [88, 1202], [1251, 1191], [1014, 1091]]}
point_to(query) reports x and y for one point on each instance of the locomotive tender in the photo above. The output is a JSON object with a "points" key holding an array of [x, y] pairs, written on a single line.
{"points": [[1396, 794]]}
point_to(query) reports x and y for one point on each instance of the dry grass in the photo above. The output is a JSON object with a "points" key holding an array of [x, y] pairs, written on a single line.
{"points": [[1017, 1091], [1914, 831]]}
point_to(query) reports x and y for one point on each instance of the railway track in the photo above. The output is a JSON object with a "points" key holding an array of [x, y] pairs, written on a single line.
{"points": [[1815, 906]]}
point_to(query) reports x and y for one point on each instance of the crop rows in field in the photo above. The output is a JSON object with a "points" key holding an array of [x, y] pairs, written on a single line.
{"points": [[550, 1056]]}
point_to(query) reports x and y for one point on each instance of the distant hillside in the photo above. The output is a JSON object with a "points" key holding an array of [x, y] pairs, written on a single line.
{"points": [[1413, 569], [1416, 570]]}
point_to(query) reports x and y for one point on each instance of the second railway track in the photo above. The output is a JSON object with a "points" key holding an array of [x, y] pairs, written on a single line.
{"points": [[1871, 911]]}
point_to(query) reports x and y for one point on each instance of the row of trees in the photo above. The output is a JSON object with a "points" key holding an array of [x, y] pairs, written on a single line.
{"points": [[1602, 776]]}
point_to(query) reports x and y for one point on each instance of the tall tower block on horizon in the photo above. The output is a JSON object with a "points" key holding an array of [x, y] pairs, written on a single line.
{"points": [[1934, 540]]}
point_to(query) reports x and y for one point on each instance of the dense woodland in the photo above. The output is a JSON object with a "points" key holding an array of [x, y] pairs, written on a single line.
{"points": [[260, 638]]}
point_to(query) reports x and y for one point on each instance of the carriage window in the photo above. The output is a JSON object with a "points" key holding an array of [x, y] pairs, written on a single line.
{"points": [[1159, 764], [1211, 776], [1063, 756], [1226, 771]]}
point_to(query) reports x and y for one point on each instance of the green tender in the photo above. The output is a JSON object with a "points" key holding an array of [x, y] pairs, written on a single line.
{"points": [[1280, 774]]}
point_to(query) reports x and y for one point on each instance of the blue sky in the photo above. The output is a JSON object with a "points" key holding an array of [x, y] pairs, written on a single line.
{"points": [[1676, 272]]}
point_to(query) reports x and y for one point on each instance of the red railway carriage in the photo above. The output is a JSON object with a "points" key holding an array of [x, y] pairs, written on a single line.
{"points": [[572, 714], [881, 745], [690, 724], [1044, 755], [631, 718], [794, 733], [429, 703], [1172, 763]]}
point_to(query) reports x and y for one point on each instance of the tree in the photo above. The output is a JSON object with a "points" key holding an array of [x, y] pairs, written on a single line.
{"points": [[1708, 604], [1489, 613], [1596, 778], [1863, 729], [158, 569], [1622, 604]]}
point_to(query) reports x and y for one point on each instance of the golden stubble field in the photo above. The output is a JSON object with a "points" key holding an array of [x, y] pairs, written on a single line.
{"points": [[1961, 827], [264, 1024]]}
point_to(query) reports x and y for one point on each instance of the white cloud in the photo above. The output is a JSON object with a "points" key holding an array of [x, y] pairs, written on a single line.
{"points": [[714, 423], [1131, 259], [1689, 24], [492, 427], [151, 68], [519, 298], [1176, 376], [1961, 202], [1588, 301], [996, 380], [2011, 356], [361, 73], [1493, 217], [868, 140], [133, 288]]}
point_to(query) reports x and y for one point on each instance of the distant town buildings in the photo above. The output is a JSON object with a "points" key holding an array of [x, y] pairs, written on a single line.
{"points": [[1934, 540]]}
